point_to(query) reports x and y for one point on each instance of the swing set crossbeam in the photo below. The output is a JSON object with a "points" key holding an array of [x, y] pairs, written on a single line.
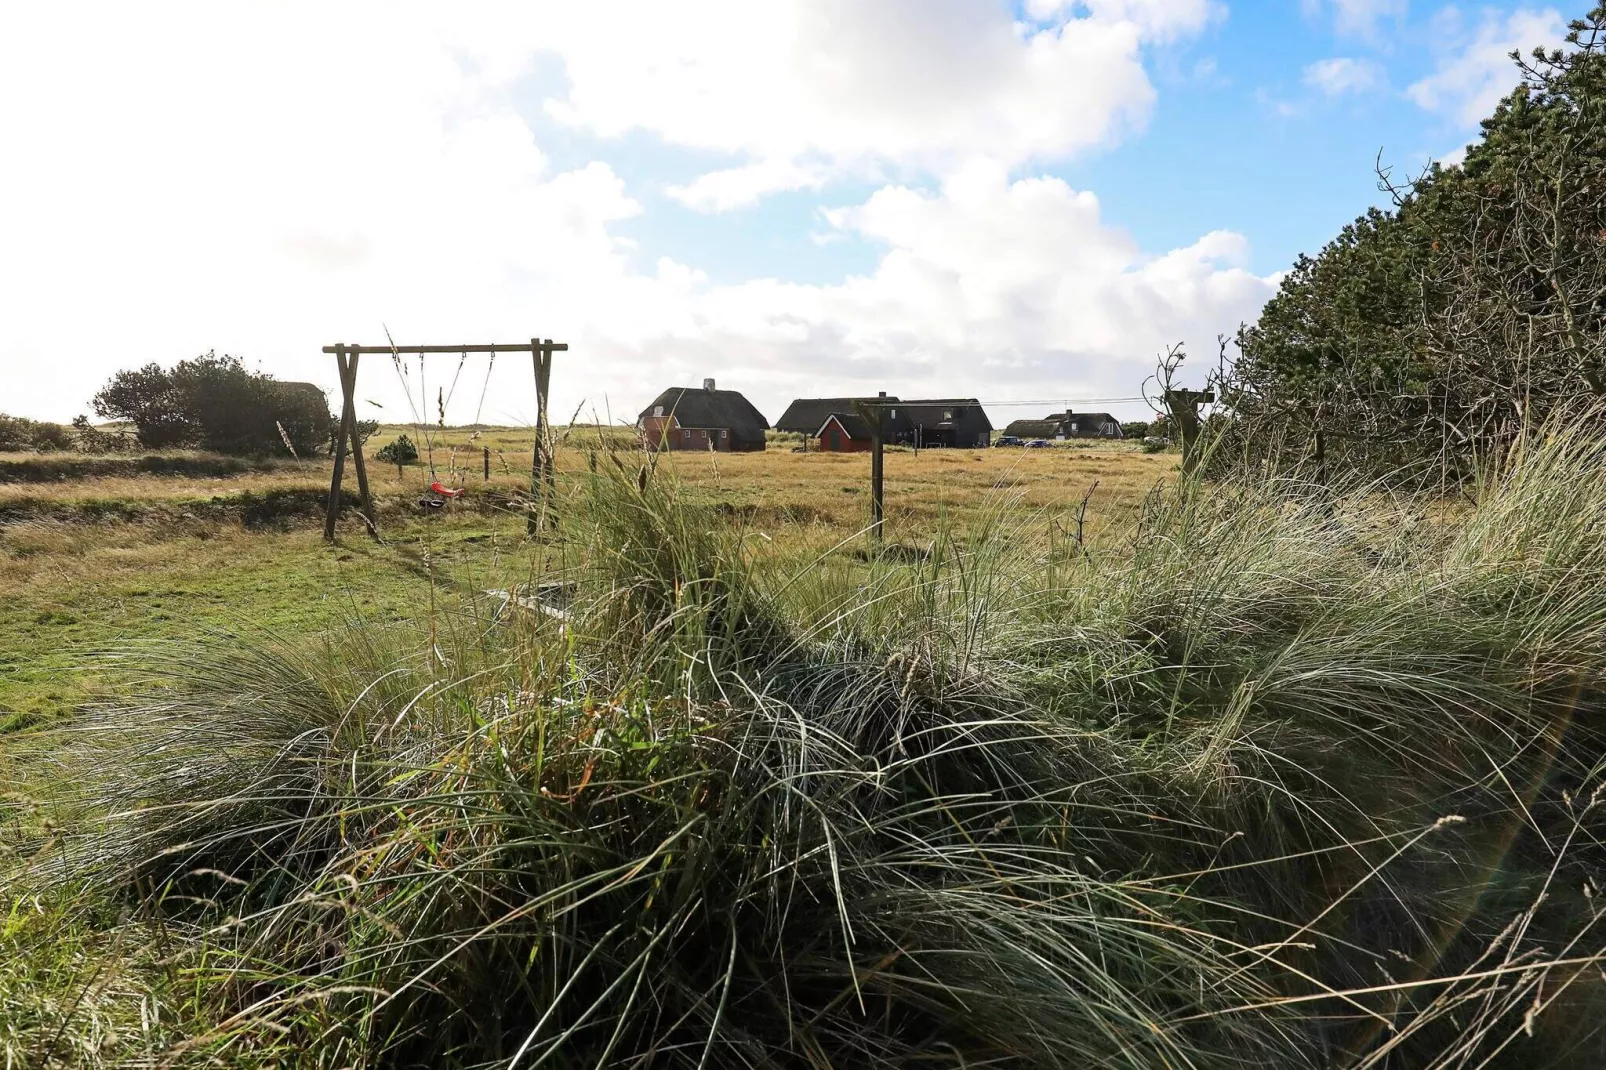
{"points": [[541, 469], [512, 347]]}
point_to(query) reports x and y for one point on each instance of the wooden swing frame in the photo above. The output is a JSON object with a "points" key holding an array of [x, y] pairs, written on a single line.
{"points": [[541, 462]]}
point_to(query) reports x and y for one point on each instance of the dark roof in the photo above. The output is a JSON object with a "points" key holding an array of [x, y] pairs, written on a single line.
{"points": [[807, 415], [695, 407], [1059, 423], [930, 412], [857, 427], [1033, 428], [1091, 419]]}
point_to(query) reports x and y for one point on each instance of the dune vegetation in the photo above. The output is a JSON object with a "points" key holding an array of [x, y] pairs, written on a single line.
{"points": [[1281, 775]]}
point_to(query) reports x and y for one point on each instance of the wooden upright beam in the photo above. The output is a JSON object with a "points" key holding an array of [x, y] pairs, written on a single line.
{"points": [[541, 460], [347, 407], [349, 417]]}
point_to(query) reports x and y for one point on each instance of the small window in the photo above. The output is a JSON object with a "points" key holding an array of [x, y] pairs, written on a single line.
{"points": [[1073, 426], [687, 435], [657, 410], [947, 414], [723, 433], [894, 414]]}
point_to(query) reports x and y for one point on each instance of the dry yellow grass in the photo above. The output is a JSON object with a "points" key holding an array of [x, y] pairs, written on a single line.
{"points": [[97, 561]]}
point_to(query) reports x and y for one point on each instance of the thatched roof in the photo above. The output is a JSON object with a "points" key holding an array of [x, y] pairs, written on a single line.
{"points": [[806, 415], [701, 408], [1088, 425], [1033, 428]]}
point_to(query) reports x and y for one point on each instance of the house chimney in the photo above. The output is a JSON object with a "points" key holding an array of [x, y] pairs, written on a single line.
{"points": [[883, 393], [708, 384]]}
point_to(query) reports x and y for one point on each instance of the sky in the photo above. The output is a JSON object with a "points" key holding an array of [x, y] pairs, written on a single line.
{"points": [[1022, 202]]}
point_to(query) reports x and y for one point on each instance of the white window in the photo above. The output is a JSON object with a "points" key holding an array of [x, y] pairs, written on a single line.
{"points": [[657, 410], [687, 436], [894, 414], [1073, 426], [947, 414], [723, 433]]}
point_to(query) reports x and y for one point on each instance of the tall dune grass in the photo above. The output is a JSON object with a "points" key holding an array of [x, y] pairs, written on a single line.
{"points": [[1290, 777]]}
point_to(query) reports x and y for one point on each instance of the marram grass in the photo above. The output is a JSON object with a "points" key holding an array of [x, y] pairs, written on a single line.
{"points": [[1292, 777]]}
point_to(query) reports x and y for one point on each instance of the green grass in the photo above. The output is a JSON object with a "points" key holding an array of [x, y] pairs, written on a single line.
{"points": [[1283, 776], [186, 546]]}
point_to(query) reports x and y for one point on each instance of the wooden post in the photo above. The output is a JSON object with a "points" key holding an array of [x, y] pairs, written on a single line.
{"points": [[551, 453], [1183, 406], [540, 461], [350, 419], [487, 451], [875, 416], [332, 510], [877, 435]]}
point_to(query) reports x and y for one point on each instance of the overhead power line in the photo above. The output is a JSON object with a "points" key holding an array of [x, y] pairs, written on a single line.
{"points": [[1063, 401]]}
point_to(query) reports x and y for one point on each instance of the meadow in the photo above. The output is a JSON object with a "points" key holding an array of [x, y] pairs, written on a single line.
{"points": [[1247, 773], [96, 553]]}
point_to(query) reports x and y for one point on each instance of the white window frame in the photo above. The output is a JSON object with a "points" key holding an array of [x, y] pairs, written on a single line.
{"points": [[657, 410]]}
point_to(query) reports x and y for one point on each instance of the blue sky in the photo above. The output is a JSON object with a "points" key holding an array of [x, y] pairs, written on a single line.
{"points": [[796, 196]]}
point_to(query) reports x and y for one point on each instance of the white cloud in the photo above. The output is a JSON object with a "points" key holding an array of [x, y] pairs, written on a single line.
{"points": [[213, 176], [738, 187], [1358, 18], [1474, 70], [804, 88], [1342, 74]]}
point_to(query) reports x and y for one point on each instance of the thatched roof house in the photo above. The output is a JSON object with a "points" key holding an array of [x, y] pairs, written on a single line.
{"points": [[685, 417]]}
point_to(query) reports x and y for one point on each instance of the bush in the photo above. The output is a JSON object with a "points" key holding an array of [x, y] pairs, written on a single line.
{"points": [[400, 451], [91, 439], [1219, 797], [1134, 428], [215, 403], [20, 433]]}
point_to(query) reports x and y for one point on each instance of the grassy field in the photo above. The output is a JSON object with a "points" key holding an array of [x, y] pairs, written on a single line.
{"points": [[198, 548]]}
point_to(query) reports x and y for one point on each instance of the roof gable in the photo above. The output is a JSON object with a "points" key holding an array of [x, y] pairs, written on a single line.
{"points": [[852, 424]]}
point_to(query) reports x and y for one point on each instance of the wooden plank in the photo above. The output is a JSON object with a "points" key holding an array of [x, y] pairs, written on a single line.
{"points": [[332, 510], [520, 347]]}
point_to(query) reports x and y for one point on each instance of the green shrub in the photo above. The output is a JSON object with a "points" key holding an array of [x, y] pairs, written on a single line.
{"points": [[216, 403], [18, 433], [400, 451]]}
